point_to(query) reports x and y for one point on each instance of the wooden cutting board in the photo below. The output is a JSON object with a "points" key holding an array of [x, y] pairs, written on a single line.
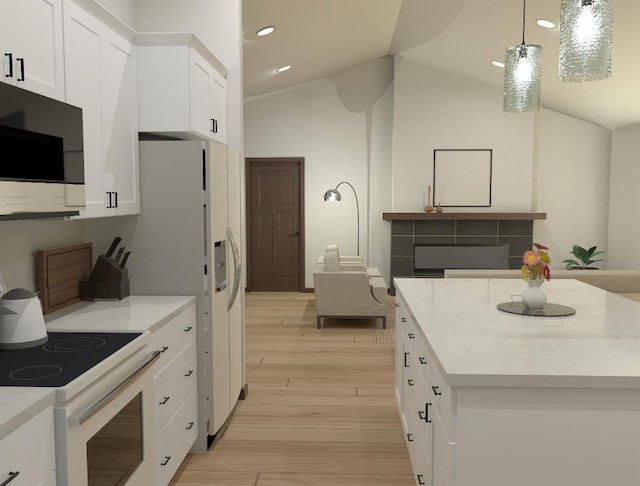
{"points": [[60, 270]]}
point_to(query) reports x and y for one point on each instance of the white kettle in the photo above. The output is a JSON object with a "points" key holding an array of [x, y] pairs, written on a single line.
{"points": [[21, 320]]}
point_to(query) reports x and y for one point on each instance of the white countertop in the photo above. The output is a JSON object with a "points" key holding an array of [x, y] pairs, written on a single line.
{"points": [[475, 344], [135, 313]]}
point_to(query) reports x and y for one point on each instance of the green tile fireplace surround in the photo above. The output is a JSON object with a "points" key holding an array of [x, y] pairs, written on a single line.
{"points": [[456, 229]]}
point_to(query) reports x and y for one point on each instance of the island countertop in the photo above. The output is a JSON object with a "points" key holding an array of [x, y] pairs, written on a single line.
{"points": [[475, 344]]}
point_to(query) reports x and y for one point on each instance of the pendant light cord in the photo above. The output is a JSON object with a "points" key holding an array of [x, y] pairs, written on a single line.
{"points": [[524, 18]]}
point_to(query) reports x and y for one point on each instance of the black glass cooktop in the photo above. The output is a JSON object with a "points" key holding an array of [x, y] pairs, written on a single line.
{"points": [[64, 357]]}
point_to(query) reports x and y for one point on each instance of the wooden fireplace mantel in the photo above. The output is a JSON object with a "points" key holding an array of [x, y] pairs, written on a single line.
{"points": [[444, 216]]}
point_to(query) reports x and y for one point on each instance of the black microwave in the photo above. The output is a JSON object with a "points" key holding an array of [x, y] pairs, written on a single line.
{"points": [[41, 155]]}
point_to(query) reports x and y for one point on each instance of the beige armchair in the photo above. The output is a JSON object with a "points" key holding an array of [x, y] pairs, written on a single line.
{"points": [[348, 291]]}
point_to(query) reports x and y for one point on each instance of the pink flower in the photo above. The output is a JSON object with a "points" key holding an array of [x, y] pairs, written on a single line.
{"points": [[531, 258]]}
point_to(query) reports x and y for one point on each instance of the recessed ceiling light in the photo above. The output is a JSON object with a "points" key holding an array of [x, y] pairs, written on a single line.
{"points": [[547, 24], [265, 31], [282, 69], [499, 64]]}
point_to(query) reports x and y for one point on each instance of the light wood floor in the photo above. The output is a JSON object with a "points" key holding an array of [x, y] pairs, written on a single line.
{"points": [[320, 410]]}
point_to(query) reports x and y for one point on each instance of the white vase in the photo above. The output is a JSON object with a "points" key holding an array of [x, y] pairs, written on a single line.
{"points": [[533, 297]]}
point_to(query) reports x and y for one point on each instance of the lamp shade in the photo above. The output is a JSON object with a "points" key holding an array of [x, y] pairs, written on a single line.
{"points": [[332, 195], [586, 37], [522, 71]]}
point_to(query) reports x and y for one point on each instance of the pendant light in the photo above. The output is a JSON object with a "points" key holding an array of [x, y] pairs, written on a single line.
{"points": [[586, 36], [522, 71]]}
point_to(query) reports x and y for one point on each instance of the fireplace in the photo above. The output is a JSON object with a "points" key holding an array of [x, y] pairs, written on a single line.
{"points": [[436, 258]]}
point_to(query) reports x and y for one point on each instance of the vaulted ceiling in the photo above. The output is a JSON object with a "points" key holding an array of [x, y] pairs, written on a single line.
{"points": [[319, 38]]}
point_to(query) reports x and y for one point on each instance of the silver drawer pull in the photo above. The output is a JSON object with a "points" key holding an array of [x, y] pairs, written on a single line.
{"points": [[435, 391], [166, 460], [403, 319], [422, 360], [409, 437], [189, 373], [12, 476], [166, 399], [188, 329], [421, 479], [191, 424], [411, 335], [82, 417], [410, 381]]}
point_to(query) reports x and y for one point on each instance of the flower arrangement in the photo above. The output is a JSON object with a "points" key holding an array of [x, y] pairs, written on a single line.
{"points": [[536, 263]]}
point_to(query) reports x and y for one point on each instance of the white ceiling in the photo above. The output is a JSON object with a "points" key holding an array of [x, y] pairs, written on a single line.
{"points": [[323, 37]]}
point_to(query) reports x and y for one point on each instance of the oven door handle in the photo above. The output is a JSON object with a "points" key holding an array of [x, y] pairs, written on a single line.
{"points": [[82, 417]]}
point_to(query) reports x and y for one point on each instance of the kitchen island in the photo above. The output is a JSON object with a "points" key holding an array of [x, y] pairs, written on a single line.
{"points": [[491, 398]]}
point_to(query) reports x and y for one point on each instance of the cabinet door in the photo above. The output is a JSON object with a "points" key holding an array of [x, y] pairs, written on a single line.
{"points": [[218, 110], [83, 79], [200, 81], [101, 79], [33, 36], [119, 126]]}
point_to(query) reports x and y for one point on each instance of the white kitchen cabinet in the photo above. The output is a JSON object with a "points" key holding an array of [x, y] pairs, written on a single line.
{"points": [[501, 400], [175, 393], [30, 452], [190, 81], [100, 68], [32, 46]]}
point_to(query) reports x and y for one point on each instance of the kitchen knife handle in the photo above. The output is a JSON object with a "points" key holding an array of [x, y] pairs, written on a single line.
{"points": [[124, 259], [114, 245]]}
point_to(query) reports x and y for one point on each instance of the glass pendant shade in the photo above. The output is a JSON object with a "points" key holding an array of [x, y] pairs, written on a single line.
{"points": [[522, 72], [586, 37]]}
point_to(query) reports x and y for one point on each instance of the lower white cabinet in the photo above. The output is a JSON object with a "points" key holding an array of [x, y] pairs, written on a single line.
{"points": [[175, 393], [505, 435], [28, 454]]}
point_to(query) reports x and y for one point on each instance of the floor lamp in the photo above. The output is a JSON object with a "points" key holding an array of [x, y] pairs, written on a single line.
{"points": [[334, 195]]}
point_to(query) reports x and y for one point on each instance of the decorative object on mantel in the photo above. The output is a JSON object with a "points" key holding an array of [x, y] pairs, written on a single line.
{"points": [[586, 37], [535, 270], [522, 73], [428, 208], [439, 208], [584, 258]]}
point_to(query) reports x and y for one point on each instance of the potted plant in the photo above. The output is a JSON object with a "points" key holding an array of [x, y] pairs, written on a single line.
{"points": [[584, 258]]}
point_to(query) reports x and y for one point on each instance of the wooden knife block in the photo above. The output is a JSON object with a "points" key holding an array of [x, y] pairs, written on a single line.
{"points": [[107, 281]]}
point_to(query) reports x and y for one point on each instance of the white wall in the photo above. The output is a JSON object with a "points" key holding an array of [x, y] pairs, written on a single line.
{"points": [[123, 9], [571, 185], [624, 206], [437, 110], [20, 242], [342, 128]]}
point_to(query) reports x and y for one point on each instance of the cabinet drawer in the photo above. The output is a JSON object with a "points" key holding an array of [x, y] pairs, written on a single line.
{"points": [[173, 444], [444, 400], [421, 411], [420, 463], [173, 385], [173, 337], [443, 456], [30, 451], [415, 340]]}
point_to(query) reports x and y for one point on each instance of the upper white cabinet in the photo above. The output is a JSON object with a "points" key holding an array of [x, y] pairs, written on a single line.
{"points": [[180, 71], [31, 46], [100, 68]]}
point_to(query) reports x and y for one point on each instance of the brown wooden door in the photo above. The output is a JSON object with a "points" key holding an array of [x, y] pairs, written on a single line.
{"points": [[275, 229]]}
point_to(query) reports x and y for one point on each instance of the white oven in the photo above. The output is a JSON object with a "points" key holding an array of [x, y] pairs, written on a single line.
{"points": [[104, 425]]}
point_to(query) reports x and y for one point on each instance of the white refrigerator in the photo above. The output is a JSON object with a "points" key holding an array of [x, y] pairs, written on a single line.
{"points": [[186, 241]]}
